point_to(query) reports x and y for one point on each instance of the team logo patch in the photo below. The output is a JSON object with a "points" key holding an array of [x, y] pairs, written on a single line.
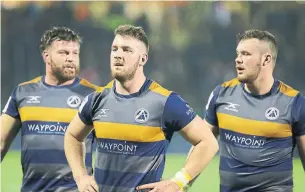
{"points": [[272, 113], [74, 101], [141, 115]]}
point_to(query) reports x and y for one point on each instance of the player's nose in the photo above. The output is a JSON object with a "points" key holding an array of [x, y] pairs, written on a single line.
{"points": [[70, 58], [118, 57], [238, 60]]}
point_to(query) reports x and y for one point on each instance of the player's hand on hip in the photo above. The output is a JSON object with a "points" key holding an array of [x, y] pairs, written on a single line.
{"points": [[161, 186], [86, 183]]}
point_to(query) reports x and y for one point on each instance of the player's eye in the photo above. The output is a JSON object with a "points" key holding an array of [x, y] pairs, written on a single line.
{"points": [[127, 50], [245, 53], [63, 52]]}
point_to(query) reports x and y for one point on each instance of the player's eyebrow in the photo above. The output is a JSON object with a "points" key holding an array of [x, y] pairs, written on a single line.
{"points": [[124, 47]]}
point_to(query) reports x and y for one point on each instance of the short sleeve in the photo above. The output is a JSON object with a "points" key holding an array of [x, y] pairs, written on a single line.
{"points": [[11, 107], [177, 113], [85, 110], [210, 114], [298, 115]]}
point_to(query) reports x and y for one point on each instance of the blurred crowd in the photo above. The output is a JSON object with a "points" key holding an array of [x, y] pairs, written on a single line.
{"points": [[192, 43]]}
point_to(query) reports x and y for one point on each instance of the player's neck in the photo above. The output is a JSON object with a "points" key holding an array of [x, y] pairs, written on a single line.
{"points": [[51, 80], [130, 86], [260, 86]]}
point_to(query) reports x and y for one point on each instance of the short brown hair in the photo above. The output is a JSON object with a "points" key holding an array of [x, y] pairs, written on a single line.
{"points": [[133, 31], [260, 35], [58, 33]]}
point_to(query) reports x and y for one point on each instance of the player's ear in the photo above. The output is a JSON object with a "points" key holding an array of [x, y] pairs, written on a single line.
{"points": [[45, 56], [267, 59], [143, 59]]}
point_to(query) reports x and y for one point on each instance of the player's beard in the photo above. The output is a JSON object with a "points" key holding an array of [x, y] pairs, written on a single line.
{"points": [[62, 74], [250, 75], [126, 74]]}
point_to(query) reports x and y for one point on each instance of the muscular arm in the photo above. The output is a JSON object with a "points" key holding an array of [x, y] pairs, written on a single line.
{"points": [[73, 145], [10, 124], [9, 129], [215, 131], [298, 126], [179, 116], [301, 147], [205, 146], [76, 132], [210, 121]]}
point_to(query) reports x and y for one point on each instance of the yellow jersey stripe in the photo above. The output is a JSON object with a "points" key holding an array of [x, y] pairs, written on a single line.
{"points": [[37, 79], [231, 83], [253, 127], [287, 90], [47, 114], [86, 83], [128, 132], [155, 87]]}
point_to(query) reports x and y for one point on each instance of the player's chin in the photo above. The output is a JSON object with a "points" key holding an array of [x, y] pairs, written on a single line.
{"points": [[242, 78], [119, 76], [69, 76]]}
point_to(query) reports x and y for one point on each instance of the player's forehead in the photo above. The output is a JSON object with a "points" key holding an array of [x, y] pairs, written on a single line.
{"points": [[249, 45], [126, 41], [61, 44]]}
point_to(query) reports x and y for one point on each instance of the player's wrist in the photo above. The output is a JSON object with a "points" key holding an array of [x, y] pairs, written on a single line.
{"points": [[78, 177], [182, 178]]}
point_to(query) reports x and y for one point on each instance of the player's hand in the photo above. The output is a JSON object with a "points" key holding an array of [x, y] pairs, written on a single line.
{"points": [[161, 186], [86, 183]]}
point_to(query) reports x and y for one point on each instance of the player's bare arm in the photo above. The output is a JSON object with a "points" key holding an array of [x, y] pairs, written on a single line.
{"points": [[299, 126], [9, 129], [301, 147], [215, 131], [205, 147], [75, 135]]}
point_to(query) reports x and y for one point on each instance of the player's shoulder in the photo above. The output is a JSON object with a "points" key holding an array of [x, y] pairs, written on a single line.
{"points": [[102, 90], [231, 83], [28, 86], [88, 84], [227, 87], [32, 81], [157, 88], [287, 90]]}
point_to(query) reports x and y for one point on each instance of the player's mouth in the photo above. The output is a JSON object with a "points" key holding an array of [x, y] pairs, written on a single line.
{"points": [[118, 64], [70, 68], [240, 70]]}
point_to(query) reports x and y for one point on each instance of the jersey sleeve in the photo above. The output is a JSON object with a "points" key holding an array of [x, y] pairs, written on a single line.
{"points": [[298, 115], [210, 113], [85, 110], [11, 107], [177, 113]]}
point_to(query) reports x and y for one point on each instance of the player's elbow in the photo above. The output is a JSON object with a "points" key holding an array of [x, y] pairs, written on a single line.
{"points": [[70, 138], [210, 144], [214, 145]]}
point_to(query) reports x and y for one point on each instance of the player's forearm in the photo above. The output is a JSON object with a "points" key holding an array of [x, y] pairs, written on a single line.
{"points": [[193, 179], [4, 148], [301, 149], [74, 155], [9, 129], [200, 156]]}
